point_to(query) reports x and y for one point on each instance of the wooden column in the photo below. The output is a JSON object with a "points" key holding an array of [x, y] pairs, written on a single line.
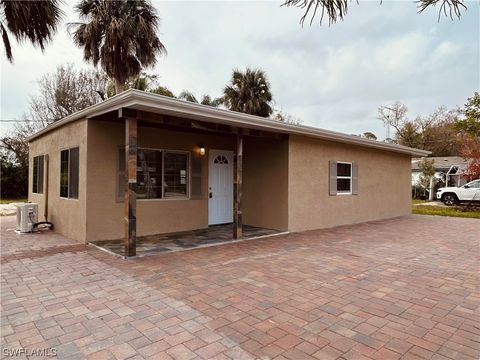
{"points": [[130, 211], [237, 197]]}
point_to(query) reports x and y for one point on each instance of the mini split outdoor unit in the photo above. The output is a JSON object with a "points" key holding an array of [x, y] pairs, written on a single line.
{"points": [[27, 216]]}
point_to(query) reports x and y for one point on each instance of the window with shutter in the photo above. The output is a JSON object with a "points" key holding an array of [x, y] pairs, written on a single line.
{"points": [[343, 178]]}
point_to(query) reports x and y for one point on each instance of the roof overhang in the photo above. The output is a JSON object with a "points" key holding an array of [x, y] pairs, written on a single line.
{"points": [[144, 101]]}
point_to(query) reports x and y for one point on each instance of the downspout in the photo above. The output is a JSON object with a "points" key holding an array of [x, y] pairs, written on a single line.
{"points": [[45, 193], [45, 187]]}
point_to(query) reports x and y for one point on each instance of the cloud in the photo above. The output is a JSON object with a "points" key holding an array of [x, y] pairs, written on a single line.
{"points": [[329, 76]]}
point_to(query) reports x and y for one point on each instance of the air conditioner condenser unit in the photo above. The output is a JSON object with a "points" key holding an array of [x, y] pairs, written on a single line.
{"points": [[27, 216]]}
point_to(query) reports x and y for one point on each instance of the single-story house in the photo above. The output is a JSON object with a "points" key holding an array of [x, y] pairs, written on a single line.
{"points": [[450, 168], [139, 164]]}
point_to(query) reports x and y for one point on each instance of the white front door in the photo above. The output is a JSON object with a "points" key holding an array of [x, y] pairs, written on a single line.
{"points": [[220, 187]]}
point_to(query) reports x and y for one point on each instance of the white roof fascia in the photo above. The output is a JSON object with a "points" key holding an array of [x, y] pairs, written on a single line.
{"points": [[142, 100]]}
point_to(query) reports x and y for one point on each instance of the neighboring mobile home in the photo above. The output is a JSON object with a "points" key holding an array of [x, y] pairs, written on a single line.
{"points": [[142, 164]]}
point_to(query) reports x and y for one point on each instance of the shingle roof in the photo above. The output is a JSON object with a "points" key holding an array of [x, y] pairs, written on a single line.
{"points": [[442, 162]]}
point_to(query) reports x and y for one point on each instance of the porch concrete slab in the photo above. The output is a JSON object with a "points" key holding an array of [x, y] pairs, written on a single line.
{"points": [[404, 288], [178, 241]]}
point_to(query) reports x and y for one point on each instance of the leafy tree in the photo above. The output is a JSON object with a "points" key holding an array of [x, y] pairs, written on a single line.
{"points": [[427, 169], [162, 90], [35, 21], [120, 35], [336, 10], [471, 152], [282, 116], [14, 178], [369, 135], [435, 132], [469, 128], [249, 92], [470, 124], [206, 99]]}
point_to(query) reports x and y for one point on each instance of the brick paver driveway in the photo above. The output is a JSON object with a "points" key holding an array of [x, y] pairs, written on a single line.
{"points": [[397, 288]]}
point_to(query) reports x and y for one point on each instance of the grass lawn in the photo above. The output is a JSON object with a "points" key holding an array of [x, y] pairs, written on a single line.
{"points": [[8, 201], [446, 211], [417, 201]]}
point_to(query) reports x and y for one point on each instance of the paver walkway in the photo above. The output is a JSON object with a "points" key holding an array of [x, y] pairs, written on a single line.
{"points": [[402, 288]]}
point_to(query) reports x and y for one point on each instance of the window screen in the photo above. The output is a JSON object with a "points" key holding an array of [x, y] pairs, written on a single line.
{"points": [[344, 178], [64, 156], [37, 182], [69, 173], [149, 174], [175, 174]]}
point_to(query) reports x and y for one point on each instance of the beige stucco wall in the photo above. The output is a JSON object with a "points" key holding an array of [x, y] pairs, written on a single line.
{"points": [[265, 183], [383, 180], [105, 213], [264, 179], [67, 215]]}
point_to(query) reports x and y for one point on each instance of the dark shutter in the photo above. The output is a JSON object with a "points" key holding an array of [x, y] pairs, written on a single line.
{"points": [[333, 177], [74, 170], [196, 177], [355, 179]]}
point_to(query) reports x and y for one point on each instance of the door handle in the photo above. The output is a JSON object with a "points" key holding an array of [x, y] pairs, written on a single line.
{"points": [[210, 195]]}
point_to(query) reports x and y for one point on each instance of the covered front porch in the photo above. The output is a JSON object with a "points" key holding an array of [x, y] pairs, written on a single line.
{"points": [[166, 172], [184, 240]]}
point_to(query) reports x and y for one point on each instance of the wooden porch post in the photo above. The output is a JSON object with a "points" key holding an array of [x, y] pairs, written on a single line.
{"points": [[130, 210], [237, 197]]}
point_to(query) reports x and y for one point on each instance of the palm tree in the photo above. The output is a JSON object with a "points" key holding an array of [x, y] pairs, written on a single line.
{"points": [[35, 21], [120, 35], [206, 99], [249, 92]]}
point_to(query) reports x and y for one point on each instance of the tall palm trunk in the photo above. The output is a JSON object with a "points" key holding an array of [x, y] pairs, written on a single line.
{"points": [[118, 87]]}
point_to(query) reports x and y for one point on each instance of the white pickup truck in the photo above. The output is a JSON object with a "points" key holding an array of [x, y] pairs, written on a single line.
{"points": [[453, 195]]}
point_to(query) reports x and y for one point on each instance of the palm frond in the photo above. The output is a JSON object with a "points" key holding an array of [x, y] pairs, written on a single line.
{"points": [[121, 35], [336, 10], [35, 21]]}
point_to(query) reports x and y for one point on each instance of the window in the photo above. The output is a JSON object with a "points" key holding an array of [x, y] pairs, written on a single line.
{"points": [[220, 159], [38, 174], [69, 171], [160, 174], [343, 178], [175, 174], [474, 184]]}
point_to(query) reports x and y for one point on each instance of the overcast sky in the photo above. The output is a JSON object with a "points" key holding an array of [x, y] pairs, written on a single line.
{"points": [[332, 77]]}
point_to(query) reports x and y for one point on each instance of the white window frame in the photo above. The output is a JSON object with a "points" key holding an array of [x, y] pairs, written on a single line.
{"points": [[340, 192]]}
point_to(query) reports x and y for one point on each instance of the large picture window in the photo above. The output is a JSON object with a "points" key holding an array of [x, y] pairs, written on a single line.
{"points": [[161, 174], [69, 171], [37, 182]]}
